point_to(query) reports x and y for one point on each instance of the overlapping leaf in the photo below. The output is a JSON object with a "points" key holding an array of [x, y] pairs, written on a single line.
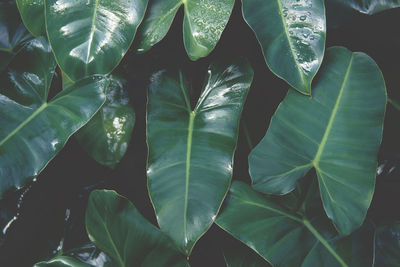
{"points": [[203, 24], [387, 245], [107, 135], [32, 130], [12, 31], [91, 37], [338, 132], [369, 7], [285, 239], [191, 151], [62, 261], [242, 256], [116, 227], [292, 36], [32, 14]]}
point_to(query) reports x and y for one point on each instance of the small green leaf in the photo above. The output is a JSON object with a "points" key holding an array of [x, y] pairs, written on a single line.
{"points": [[107, 135], [285, 239], [32, 14], [292, 36], [203, 24], [116, 227], [338, 132], [191, 151], [32, 130], [91, 37]]}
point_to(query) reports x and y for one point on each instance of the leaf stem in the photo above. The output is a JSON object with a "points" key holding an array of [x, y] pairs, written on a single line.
{"points": [[394, 103]]}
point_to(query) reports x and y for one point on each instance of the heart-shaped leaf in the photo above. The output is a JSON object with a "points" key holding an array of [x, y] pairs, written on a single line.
{"points": [[107, 134], [116, 227], [12, 31], [191, 151], [286, 239], [91, 37], [203, 24], [387, 245], [32, 130], [338, 132], [292, 36], [32, 14]]}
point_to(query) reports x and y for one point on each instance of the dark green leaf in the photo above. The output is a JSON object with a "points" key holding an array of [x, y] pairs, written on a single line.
{"points": [[191, 151], [369, 7], [203, 24], [107, 135], [33, 130], [32, 14], [91, 37], [292, 36], [338, 132], [13, 33], [387, 245], [288, 240], [62, 261], [116, 227], [242, 256]]}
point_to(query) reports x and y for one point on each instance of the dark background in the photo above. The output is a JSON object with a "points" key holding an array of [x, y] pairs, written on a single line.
{"points": [[67, 181]]}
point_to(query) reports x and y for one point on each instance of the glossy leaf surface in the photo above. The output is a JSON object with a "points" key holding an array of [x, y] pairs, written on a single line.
{"points": [[32, 14], [62, 261], [203, 24], [387, 245], [369, 7], [191, 151], [107, 134], [13, 33], [292, 36], [338, 132], [287, 240], [116, 227], [91, 37], [33, 130]]}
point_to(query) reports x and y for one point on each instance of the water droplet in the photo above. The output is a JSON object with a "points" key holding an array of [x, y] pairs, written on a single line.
{"points": [[303, 18]]}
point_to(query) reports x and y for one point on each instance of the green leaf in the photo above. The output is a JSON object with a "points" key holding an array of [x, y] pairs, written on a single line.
{"points": [[242, 256], [107, 134], [338, 132], [12, 31], [62, 261], [32, 130], [286, 239], [116, 227], [91, 37], [369, 7], [32, 14], [191, 151], [203, 24], [387, 245], [292, 36]]}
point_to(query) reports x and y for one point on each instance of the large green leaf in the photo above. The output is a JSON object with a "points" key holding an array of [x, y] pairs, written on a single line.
{"points": [[191, 151], [338, 132], [369, 7], [32, 130], [387, 245], [91, 37], [62, 261], [13, 34], [107, 135], [32, 14], [286, 239], [116, 227], [203, 24], [242, 256], [292, 36]]}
